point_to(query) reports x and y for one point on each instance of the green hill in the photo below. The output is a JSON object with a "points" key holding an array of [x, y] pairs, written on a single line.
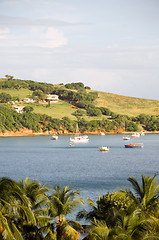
{"points": [[116, 103], [93, 110]]}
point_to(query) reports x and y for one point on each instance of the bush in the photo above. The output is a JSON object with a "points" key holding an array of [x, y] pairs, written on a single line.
{"points": [[93, 111], [79, 112], [76, 86], [5, 97]]}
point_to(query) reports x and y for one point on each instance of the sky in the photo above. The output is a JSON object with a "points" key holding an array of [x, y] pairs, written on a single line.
{"points": [[109, 45]]}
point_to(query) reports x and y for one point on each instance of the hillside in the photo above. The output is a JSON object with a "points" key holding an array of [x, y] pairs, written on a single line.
{"points": [[58, 108], [116, 103], [127, 105]]}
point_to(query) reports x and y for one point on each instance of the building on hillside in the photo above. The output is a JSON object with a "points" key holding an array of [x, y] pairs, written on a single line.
{"points": [[29, 100], [52, 98], [18, 109]]}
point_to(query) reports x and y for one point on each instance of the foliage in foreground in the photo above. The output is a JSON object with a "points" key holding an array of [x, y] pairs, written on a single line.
{"points": [[30, 211]]}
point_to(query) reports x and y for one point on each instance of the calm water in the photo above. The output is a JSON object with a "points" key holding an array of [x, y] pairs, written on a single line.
{"points": [[83, 166]]}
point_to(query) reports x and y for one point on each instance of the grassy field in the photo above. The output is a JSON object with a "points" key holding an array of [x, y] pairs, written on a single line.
{"points": [[21, 93], [59, 110], [55, 110], [127, 105]]}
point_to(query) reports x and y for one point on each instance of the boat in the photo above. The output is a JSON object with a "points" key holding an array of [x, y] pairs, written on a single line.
{"points": [[104, 149], [142, 133], [134, 135], [54, 137], [126, 138], [102, 134], [79, 139], [134, 145]]}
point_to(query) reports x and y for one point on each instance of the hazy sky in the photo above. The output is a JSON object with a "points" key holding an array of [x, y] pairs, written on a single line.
{"points": [[109, 45]]}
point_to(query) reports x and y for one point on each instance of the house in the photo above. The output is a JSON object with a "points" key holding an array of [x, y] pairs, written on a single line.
{"points": [[52, 98], [29, 100], [18, 109]]}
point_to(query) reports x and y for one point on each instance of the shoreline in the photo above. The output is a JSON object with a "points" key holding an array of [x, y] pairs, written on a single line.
{"points": [[27, 132]]}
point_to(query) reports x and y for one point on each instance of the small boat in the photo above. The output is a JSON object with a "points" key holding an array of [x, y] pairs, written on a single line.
{"points": [[102, 134], [54, 137], [71, 145], [126, 138], [104, 149], [142, 133], [134, 145], [134, 135], [79, 139]]}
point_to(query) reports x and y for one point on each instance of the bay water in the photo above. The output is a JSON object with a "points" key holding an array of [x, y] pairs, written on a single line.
{"points": [[82, 166]]}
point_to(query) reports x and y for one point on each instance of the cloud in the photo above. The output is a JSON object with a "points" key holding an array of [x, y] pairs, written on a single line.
{"points": [[4, 33], [23, 21], [34, 37], [49, 38]]}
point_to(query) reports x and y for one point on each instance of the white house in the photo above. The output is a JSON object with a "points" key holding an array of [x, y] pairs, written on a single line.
{"points": [[19, 109], [52, 98], [29, 100]]}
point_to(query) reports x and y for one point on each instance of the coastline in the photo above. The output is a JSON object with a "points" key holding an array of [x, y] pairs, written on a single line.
{"points": [[27, 132]]}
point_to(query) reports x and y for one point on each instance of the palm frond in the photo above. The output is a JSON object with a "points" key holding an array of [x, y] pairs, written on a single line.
{"points": [[137, 188]]}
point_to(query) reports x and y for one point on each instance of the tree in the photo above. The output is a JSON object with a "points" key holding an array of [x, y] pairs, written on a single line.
{"points": [[98, 231], [132, 227], [5, 97], [39, 94], [79, 112], [63, 201], [10, 207], [28, 109], [77, 86], [145, 196], [23, 210], [38, 201], [93, 111], [9, 77]]}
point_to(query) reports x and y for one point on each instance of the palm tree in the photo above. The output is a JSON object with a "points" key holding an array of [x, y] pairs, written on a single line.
{"points": [[89, 215], [128, 227], [131, 227], [37, 202], [98, 230], [23, 210], [8, 210], [63, 201], [146, 196]]}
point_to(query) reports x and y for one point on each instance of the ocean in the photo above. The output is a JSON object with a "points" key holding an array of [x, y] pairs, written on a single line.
{"points": [[83, 166]]}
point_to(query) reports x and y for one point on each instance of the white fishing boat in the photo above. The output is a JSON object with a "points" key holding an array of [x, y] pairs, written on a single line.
{"points": [[126, 138], [54, 137], [79, 138], [135, 135]]}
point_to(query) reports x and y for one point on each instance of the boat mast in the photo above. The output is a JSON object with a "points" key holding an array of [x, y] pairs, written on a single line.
{"points": [[77, 129]]}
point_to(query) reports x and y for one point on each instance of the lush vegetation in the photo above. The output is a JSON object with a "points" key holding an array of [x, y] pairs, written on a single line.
{"points": [[30, 211], [10, 120], [77, 104]]}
